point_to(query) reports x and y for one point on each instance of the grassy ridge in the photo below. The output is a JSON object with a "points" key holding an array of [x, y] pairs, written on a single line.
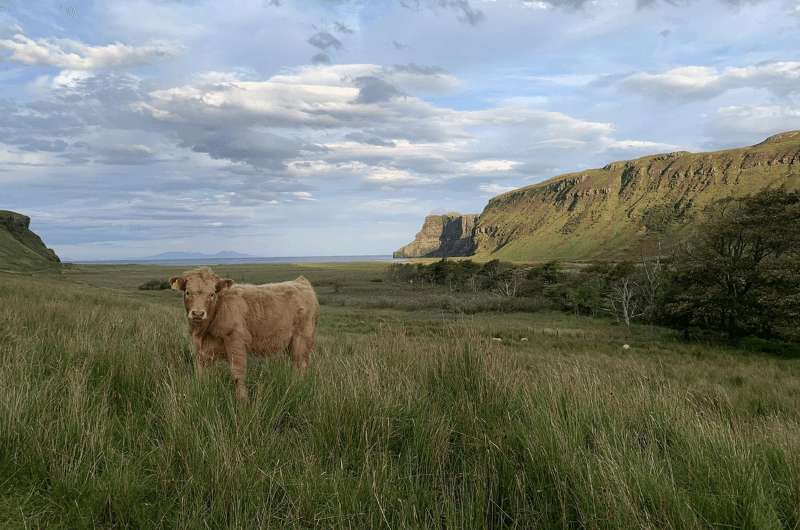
{"points": [[406, 419], [611, 213]]}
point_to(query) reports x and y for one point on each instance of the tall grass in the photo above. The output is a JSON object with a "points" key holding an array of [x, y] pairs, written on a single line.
{"points": [[405, 424]]}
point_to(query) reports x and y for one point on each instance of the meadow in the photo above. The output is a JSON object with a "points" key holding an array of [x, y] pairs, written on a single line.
{"points": [[412, 415]]}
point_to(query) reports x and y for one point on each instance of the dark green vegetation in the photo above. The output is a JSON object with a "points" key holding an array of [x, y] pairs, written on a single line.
{"points": [[154, 285], [740, 272], [618, 212], [20, 249], [406, 418]]}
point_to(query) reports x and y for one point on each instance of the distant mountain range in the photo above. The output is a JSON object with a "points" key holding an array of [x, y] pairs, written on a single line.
{"points": [[615, 212]]}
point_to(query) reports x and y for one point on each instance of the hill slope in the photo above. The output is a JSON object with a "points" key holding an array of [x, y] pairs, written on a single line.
{"points": [[20, 249], [623, 208]]}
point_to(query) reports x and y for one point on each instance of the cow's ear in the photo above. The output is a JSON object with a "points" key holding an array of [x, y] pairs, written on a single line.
{"points": [[178, 283], [223, 284]]}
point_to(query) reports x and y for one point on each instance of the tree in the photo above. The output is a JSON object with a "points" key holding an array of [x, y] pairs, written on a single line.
{"points": [[624, 300], [623, 297], [509, 281], [740, 272], [585, 293], [652, 284]]}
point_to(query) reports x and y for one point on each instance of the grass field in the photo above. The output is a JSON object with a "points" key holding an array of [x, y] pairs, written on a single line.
{"points": [[411, 416]]}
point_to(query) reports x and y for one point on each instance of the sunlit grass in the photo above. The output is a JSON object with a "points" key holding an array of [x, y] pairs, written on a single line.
{"points": [[405, 419]]}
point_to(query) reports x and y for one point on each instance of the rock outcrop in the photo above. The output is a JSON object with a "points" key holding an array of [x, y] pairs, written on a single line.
{"points": [[20, 248], [627, 207], [442, 236]]}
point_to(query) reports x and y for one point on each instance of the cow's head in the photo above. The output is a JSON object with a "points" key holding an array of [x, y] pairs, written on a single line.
{"points": [[201, 290]]}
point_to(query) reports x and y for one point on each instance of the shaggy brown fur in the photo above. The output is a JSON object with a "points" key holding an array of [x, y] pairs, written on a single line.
{"points": [[230, 321]]}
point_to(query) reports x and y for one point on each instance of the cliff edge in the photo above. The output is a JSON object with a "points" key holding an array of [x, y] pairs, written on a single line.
{"points": [[442, 236], [20, 248]]}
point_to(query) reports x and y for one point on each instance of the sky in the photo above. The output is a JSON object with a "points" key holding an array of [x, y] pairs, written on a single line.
{"points": [[332, 127]]}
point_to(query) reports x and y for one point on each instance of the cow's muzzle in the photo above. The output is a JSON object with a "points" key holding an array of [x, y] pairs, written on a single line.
{"points": [[197, 316]]}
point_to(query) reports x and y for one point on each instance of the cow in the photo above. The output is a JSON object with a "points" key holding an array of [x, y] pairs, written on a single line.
{"points": [[230, 321]]}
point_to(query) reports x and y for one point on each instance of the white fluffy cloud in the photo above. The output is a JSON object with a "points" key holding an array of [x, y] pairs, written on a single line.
{"points": [[495, 189], [71, 54], [490, 166], [702, 82], [742, 123], [316, 122]]}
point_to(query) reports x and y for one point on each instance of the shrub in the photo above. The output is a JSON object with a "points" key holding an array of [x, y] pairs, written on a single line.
{"points": [[154, 285]]}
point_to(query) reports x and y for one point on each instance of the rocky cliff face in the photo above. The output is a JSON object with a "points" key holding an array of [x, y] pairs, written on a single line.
{"points": [[442, 236], [20, 248], [623, 209]]}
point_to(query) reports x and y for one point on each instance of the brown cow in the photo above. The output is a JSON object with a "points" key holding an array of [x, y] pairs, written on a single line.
{"points": [[230, 321]]}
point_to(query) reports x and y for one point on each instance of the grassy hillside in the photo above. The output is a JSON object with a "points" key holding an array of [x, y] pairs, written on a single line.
{"points": [[623, 208], [406, 419], [21, 250]]}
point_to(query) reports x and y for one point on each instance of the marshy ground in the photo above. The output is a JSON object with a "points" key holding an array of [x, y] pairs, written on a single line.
{"points": [[411, 415]]}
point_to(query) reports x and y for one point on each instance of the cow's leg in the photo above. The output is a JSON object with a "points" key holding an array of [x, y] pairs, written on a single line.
{"points": [[299, 349], [201, 364], [237, 355], [206, 350]]}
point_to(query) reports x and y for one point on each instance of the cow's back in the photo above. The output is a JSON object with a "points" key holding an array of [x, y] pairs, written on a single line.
{"points": [[278, 311]]}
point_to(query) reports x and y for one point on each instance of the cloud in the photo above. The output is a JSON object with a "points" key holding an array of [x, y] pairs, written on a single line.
{"points": [[415, 78], [641, 146], [701, 82], [303, 196], [364, 138], [495, 189], [129, 155], [490, 166], [350, 121], [14, 157], [465, 12], [394, 206], [38, 144], [372, 89], [737, 125], [549, 4], [641, 4], [393, 176], [343, 28], [324, 40], [321, 58], [74, 55]]}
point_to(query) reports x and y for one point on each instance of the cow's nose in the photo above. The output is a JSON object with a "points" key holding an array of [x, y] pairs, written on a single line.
{"points": [[198, 314]]}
